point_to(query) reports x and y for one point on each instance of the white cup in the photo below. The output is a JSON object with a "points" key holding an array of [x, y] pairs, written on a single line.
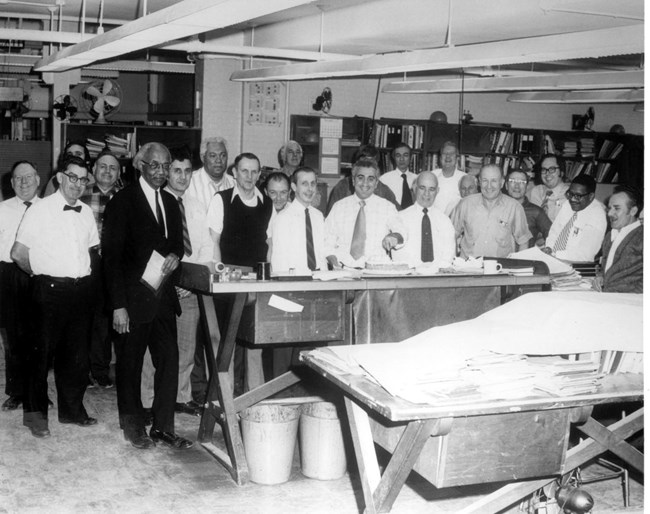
{"points": [[491, 267]]}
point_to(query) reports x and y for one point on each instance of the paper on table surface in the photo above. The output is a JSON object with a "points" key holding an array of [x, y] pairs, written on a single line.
{"points": [[284, 305], [153, 276], [535, 254]]}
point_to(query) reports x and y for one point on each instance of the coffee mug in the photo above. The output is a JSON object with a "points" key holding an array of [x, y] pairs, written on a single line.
{"points": [[491, 267]]}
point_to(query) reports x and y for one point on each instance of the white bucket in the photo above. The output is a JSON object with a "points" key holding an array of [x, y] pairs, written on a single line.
{"points": [[269, 434], [322, 453]]}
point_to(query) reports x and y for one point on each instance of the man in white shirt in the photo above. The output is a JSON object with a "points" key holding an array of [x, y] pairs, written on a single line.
{"points": [[622, 262], [550, 194], [356, 226], [53, 244], [238, 219], [277, 187], [448, 176], [198, 248], [212, 177], [400, 180], [14, 283], [429, 234], [289, 232], [579, 227]]}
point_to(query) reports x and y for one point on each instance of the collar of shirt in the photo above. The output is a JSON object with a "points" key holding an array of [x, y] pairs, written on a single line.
{"points": [[624, 231], [61, 200], [171, 192], [95, 189], [497, 201], [236, 192]]}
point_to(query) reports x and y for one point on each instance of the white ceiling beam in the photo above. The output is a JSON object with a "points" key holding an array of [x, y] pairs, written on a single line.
{"points": [[183, 19], [199, 47], [576, 45], [542, 81], [579, 97]]}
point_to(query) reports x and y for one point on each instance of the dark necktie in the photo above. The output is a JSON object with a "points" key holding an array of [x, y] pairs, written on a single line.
{"points": [[27, 204], [427, 238], [311, 256], [547, 197], [71, 208], [358, 245], [187, 244], [159, 216], [407, 199]]}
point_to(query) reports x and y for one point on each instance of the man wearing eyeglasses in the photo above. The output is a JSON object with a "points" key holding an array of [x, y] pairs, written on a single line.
{"points": [[14, 283], [53, 244], [549, 195], [142, 222], [538, 222], [106, 172], [578, 230]]}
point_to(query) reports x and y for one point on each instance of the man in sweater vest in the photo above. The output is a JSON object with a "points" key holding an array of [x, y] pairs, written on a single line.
{"points": [[238, 219]]}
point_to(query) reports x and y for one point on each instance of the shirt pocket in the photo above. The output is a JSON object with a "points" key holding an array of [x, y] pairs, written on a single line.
{"points": [[503, 235]]}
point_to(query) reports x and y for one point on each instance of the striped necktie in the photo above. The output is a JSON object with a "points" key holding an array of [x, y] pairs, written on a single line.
{"points": [[407, 199], [563, 238], [311, 255], [187, 244], [358, 245]]}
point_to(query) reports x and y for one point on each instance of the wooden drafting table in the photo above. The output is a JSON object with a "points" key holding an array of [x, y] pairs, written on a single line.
{"points": [[465, 443], [323, 320]]}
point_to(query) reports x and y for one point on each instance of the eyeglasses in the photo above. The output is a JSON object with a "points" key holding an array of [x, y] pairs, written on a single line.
{"points": [[74, 178], [155, 165], [578, 196], [550, 171], [516, 181]]}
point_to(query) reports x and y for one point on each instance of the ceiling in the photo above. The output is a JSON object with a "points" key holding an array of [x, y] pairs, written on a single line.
{"points": [[425, 45]]}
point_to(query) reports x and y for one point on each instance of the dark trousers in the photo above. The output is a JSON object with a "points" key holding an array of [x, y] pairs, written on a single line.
{"points": [[101, 335], [14, 318], [61, 311], [159, 336]]}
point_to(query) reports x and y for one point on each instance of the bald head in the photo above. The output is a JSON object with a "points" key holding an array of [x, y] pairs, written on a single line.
{"points": [[425, 189], [468, 185]]}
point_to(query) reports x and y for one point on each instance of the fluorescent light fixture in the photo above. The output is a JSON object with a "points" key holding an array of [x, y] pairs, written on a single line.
{"points": [[608, 96]]}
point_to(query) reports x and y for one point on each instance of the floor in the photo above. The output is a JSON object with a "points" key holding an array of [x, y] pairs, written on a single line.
{"points": [[93, 470]]}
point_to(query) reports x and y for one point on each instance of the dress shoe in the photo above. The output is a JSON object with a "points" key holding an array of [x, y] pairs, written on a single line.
{"points": [[12, 403], [170, 439], [192, 408], [41, 433], [86, 422], [140, 440]]}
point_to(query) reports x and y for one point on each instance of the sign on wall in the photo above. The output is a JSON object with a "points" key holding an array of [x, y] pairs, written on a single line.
{"points": [[265, 102]]}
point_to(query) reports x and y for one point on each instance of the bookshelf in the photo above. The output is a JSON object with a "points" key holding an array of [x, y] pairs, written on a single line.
{"points": [[328, 143], [125, 140]]}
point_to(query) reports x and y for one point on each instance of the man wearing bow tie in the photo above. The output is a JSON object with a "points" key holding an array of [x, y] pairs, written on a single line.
{"points": [[53, 244]]}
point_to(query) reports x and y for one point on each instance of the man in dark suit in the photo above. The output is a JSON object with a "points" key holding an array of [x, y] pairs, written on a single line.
{"points": [[622, 261], [141, 223]]}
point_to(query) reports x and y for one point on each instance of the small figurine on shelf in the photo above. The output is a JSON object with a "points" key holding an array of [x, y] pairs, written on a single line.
{"points": [[467, 117]]}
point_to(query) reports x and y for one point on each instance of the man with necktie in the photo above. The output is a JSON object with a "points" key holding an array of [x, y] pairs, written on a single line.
{"points": [[296, 234], [296, 241], [356, 226], [550, 194], [400, 179], [429, 234], [142, 223], [197, 248], [14, 283], [579, 228], [53, 244]]}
